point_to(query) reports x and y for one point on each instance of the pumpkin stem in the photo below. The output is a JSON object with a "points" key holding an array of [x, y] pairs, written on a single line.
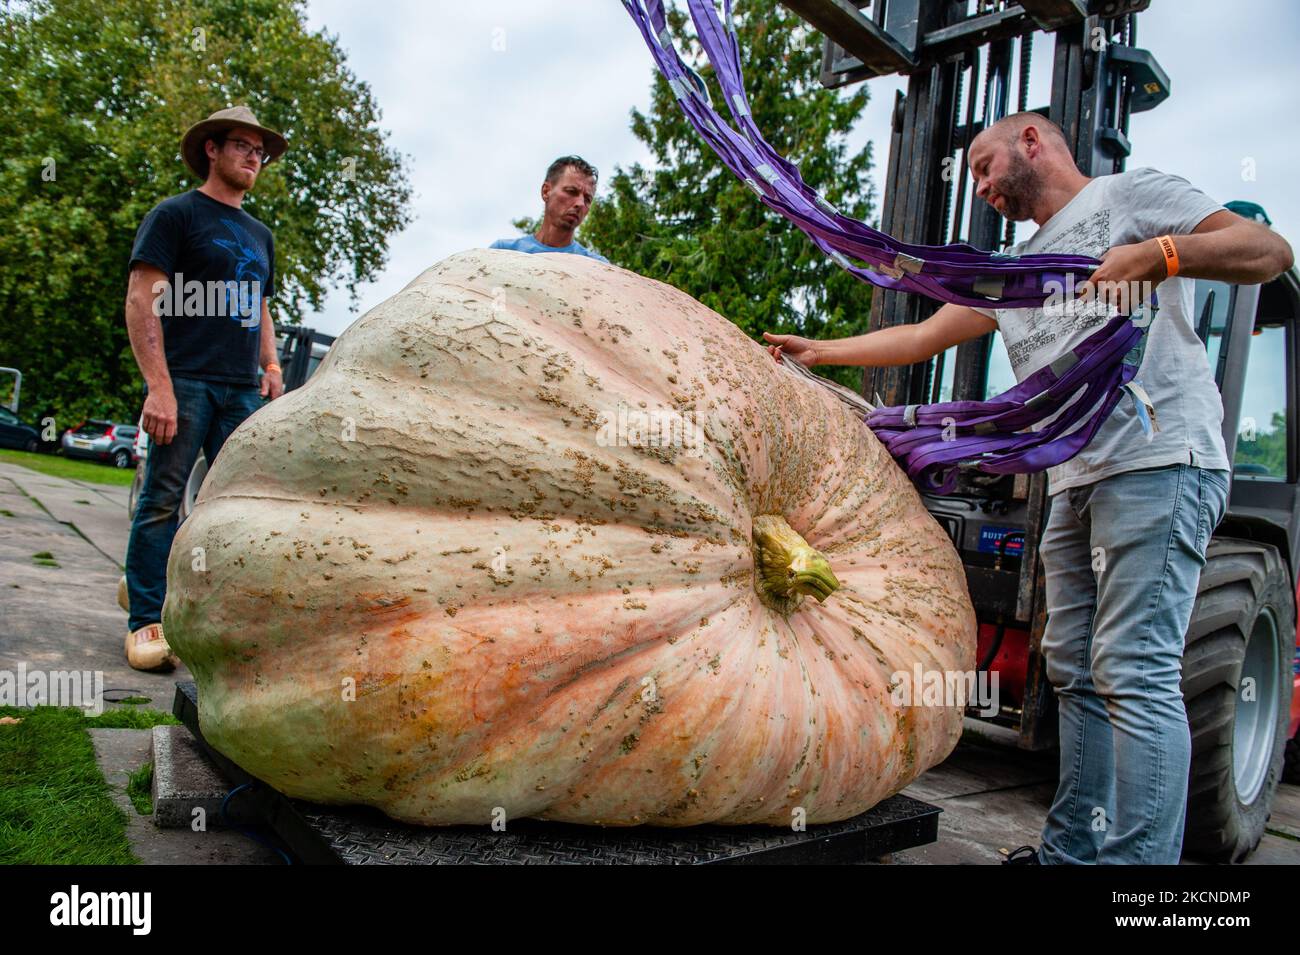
{"points": [[786, 567]]}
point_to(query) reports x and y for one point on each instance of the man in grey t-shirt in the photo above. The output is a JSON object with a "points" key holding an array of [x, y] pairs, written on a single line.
{"points": [[1131, 514]]}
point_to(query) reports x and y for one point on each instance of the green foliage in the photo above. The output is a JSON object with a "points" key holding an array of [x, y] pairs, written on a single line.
{"points": [[139, 789], [55, 807], [691, 223], [1266, 452], [71, 468], [97, 95]]}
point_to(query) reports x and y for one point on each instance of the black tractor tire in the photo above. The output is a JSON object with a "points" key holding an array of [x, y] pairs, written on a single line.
{"points": [[1237, 683]]}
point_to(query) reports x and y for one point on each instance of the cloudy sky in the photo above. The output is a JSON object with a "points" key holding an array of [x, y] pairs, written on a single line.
{"points": [[482, 96]]}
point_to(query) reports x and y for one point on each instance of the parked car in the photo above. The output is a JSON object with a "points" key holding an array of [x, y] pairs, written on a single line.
{"points": [[102, 441], [15, 433]]}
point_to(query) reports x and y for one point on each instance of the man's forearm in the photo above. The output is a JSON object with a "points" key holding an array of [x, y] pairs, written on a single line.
{"points": [[1246, 254], [268, 337], [896, 345], [144, 329]]}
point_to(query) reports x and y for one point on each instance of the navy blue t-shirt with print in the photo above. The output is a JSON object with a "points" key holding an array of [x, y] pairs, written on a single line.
{"points": [[221, 265]]}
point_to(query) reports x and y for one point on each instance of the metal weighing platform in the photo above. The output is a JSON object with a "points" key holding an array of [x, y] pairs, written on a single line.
{"points": [[361, 835]]}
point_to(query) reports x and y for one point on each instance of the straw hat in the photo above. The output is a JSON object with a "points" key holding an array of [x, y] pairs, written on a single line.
{"points": [[224, 120]]}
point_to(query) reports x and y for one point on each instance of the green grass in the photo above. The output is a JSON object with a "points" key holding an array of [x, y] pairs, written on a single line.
{"points": [[55, 807], [139, 787], [72, 469]]}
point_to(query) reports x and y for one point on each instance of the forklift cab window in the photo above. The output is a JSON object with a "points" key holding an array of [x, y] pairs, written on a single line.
{"points": [[1261, 432]]}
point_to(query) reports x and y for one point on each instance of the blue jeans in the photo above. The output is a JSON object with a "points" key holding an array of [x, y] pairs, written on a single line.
{"points": [[206, 413], [1123, 557]]}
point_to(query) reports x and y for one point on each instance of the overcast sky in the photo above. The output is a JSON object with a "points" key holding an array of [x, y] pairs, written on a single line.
{"points": [[482, 96]]}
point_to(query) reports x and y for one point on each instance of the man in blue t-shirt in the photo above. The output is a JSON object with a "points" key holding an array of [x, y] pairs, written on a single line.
{"points": [[201, 271], [567, 194]]}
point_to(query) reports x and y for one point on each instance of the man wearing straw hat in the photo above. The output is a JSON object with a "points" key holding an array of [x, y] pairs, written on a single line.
{"points": [[201, 271]]}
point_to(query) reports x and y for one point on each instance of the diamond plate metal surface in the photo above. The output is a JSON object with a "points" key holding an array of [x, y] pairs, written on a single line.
{"points": [[365, 836]]}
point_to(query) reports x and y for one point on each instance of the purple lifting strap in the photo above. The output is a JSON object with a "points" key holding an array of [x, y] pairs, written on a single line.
{"points": [[930, 441]]}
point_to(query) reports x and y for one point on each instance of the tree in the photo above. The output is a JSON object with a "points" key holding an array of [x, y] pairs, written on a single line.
{"points": [[97, 95], [1263, 452], [690, 222]]}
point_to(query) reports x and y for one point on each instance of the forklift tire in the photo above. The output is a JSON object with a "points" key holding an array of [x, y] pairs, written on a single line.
{"points": [[192, 487], [133, 497], [1237, 689]]}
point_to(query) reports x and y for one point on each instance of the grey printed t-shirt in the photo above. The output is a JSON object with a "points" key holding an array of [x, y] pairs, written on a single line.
{"points": [[1116, 210]]}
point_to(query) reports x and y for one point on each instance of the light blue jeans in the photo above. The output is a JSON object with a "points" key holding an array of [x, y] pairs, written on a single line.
{"points": [[1123, 557]]}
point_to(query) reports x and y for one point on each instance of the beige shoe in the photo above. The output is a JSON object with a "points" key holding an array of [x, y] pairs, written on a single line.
{"points": [[147, 649], [123, 595]]}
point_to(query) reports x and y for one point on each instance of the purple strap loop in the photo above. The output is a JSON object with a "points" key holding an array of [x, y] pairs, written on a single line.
{"points": [[932, 442]]}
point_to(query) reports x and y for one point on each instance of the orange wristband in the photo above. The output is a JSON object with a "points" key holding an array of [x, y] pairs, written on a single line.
{"points": [[273, 367], [1170, 253]]}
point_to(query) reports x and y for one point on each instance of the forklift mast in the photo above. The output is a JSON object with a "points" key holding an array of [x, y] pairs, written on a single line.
{"points": [[952, 51]]}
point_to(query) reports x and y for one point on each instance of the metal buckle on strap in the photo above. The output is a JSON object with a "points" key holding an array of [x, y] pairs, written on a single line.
{"points": [[909, 263], [767, 172], [1064, 363], [902, 263], [990, 287], [825, 204], [909, 415], [738, 102], [840, 259]]}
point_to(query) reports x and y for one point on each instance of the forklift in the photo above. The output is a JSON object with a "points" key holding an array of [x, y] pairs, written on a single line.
{"points": [[1241, 663]]}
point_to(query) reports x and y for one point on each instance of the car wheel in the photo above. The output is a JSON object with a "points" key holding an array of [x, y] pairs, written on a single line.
{"points": [[32, 446], [121, 458]]}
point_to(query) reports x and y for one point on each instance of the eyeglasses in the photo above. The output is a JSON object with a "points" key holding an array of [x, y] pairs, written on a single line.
{"points": [[243, 147]]}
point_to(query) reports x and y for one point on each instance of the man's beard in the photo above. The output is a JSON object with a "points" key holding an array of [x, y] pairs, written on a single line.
{"points": [[1019, 190], [235, 178]]}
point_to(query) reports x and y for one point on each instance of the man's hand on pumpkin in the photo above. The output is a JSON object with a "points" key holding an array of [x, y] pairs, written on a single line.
{"points": [[802, 350]]}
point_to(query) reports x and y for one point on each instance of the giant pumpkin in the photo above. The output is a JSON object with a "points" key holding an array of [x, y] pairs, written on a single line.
{"points": [[543, 538]]}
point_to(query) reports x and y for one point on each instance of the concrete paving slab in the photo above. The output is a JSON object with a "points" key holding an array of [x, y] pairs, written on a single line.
{"points": [[64, 617], [121, 752], [96, 512], [184, 780], [1285, 817]]}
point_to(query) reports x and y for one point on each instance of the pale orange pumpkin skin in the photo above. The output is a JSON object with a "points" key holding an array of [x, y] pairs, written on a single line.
{"points": [[429, 583]]}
